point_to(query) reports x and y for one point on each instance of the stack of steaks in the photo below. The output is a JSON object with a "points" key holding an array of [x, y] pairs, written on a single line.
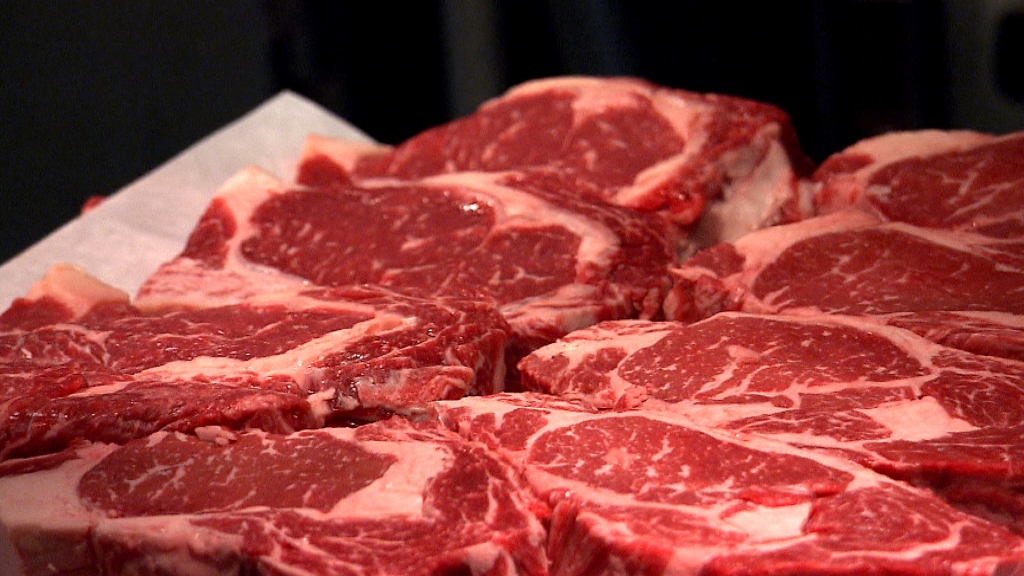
{"points": [[598, 327]]}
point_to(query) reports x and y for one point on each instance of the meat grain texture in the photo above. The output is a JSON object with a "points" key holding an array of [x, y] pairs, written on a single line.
{"points": [[598, 327]]}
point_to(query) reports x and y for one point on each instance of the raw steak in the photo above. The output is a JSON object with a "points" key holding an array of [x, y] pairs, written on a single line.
{"points": [[652, 493], [77, 361], [626, 141], [961, 289], [551, 264], [953, 180], [386, 498], [879, 395]]}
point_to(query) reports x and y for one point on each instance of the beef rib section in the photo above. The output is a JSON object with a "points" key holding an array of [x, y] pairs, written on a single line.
{"points": [[390, 498], [953, 180], [653, 493], [626, 141], [961, 289], [78, 362], [550, 263], [876, 394]]}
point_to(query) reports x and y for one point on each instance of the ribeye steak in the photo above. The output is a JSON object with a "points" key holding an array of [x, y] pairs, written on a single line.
{"points": [[957, 180], [876, 394], [389, 498], [737, 162], [961, 289], [78, 362], [551, 264], [653, 493]]}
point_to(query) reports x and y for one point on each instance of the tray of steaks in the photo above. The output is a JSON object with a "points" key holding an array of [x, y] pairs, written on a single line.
{"points": [[598, 326]]}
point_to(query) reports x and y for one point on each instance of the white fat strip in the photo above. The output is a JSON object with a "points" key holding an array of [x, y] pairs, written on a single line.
{"points": [[570, 307], [761, 247], [246, 190], [686, 115], [957, 240], [345, 153], [921, 419], [517, 209], [294, 363], [75, 288], [175, 282], [587, 342], [895, 146], [399, 492], [42, 509], [753, 200], [576, 350], [184, 282], [655, 175], [687, 118], [772, 524]]}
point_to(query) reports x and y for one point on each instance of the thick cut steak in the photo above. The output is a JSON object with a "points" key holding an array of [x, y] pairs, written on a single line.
{"points": [[877, 394], [962, 181], [386, 498], [638, 492], [626, 141], [77, 361], [551, 264], [960, 289]]}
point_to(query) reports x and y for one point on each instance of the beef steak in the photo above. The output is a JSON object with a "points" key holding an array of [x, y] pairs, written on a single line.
{"points": [[79, 362], [625, 141], [955, 180], [654, 493], [876, 394], [961, 289], [386, 498], [551, 264]]}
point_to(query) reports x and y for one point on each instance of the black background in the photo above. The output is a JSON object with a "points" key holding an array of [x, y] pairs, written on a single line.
{"points": [[93, 97]]}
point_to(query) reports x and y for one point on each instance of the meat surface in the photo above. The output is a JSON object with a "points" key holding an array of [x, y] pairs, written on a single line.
{"points": [[964, 181], [876, 394], [79, 362], [550, 264], [654, 493], [733, 164], [386, 498], [961, 289]]}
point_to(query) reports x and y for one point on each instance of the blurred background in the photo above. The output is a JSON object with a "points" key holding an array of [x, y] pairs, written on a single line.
{"points": [[94, 95]]}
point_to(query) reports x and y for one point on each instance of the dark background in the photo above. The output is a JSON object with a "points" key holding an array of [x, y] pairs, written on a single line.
{"points": [[92, 97]]}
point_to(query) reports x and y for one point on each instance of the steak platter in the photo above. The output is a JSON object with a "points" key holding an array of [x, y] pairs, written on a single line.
{"points": [[597, 327]]}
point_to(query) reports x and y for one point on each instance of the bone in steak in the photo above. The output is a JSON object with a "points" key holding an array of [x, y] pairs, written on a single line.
{"points": [[957, 180], [733, 163], [551, 264], [960, 289], [877, 394], [77, 361], [389, 498], [653, 493]]}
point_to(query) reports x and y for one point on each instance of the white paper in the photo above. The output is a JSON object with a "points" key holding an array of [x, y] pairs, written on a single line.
{"points": [[124, 239]]}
